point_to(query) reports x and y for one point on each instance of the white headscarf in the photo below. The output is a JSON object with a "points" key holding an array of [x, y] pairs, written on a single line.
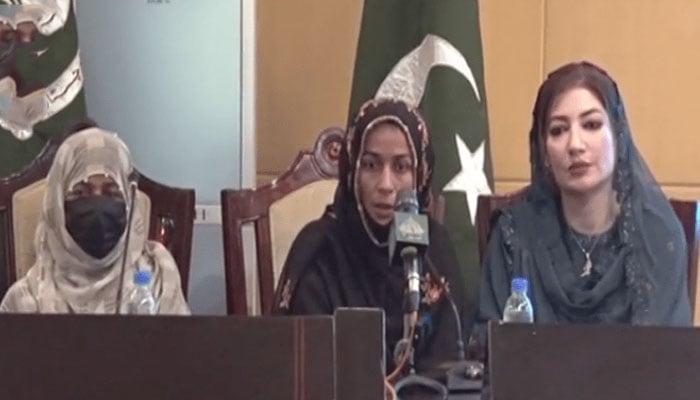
{"points": [[64, 277]]}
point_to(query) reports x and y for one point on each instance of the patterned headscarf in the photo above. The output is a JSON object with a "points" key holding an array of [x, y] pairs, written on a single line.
{"points": [[371, 114]]}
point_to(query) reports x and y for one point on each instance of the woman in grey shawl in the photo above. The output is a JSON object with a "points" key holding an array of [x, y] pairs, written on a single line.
{"points": [[80, 240], [595, 236]]}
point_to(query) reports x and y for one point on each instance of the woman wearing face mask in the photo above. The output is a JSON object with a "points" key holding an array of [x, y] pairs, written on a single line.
{"points": [[80, 240], [594, 235], [342, 260]]}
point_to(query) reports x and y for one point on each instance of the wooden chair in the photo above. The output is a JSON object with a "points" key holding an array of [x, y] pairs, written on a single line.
{"points": [[487, 205], [277, 211], [33, 172], [21, 197], [172, 222], [686, 211]]}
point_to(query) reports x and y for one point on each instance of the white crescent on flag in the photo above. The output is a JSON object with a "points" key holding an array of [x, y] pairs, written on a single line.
{"points": [[407, 81]]}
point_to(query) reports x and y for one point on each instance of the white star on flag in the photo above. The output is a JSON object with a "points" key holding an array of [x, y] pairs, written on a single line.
{"points": [[471, 178]]}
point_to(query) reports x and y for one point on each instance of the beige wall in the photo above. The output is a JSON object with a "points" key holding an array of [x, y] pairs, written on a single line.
{"points": [[306, 52], [647, 45], [305, 57]]}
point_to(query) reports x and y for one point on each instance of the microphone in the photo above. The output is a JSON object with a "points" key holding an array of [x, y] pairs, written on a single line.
{"points": [[408, 241], [132, 196]]}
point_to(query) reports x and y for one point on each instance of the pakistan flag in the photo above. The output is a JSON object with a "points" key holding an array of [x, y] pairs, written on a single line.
{"points": [[428, 52], [41, 82]]}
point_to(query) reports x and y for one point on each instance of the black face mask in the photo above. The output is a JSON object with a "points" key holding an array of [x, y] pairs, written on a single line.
{"points": [[96, 223]]}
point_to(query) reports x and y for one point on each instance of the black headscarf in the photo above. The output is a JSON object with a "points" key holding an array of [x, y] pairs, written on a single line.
{"points": [[640, 264], [347, 198], [341, 260]]}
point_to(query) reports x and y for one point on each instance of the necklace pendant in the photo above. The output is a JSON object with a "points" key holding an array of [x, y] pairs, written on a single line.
{"points": [[587, 267]]}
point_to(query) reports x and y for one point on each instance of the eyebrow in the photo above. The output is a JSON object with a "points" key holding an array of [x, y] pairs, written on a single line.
{"points": [[589, 112], [85, 185], [582, 115], [377, 155]]}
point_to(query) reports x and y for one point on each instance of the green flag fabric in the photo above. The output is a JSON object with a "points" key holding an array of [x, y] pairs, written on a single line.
{"points": [[428, 53], [41, 81]]}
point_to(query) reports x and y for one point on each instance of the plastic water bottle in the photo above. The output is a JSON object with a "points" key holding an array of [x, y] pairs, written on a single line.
{"points": [[518, 307], [141, 301]]}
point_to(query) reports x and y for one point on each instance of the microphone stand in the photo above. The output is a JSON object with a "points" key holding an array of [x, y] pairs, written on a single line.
{"points": [[132, 195], [462, 374], [410, 321]]}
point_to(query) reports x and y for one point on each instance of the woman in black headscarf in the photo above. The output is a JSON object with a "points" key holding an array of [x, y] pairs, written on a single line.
{"points": [[342, 260], [594, 235]]}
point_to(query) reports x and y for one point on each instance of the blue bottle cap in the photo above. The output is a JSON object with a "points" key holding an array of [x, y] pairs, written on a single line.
{"points": [[142, 277], [519, 284]]}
